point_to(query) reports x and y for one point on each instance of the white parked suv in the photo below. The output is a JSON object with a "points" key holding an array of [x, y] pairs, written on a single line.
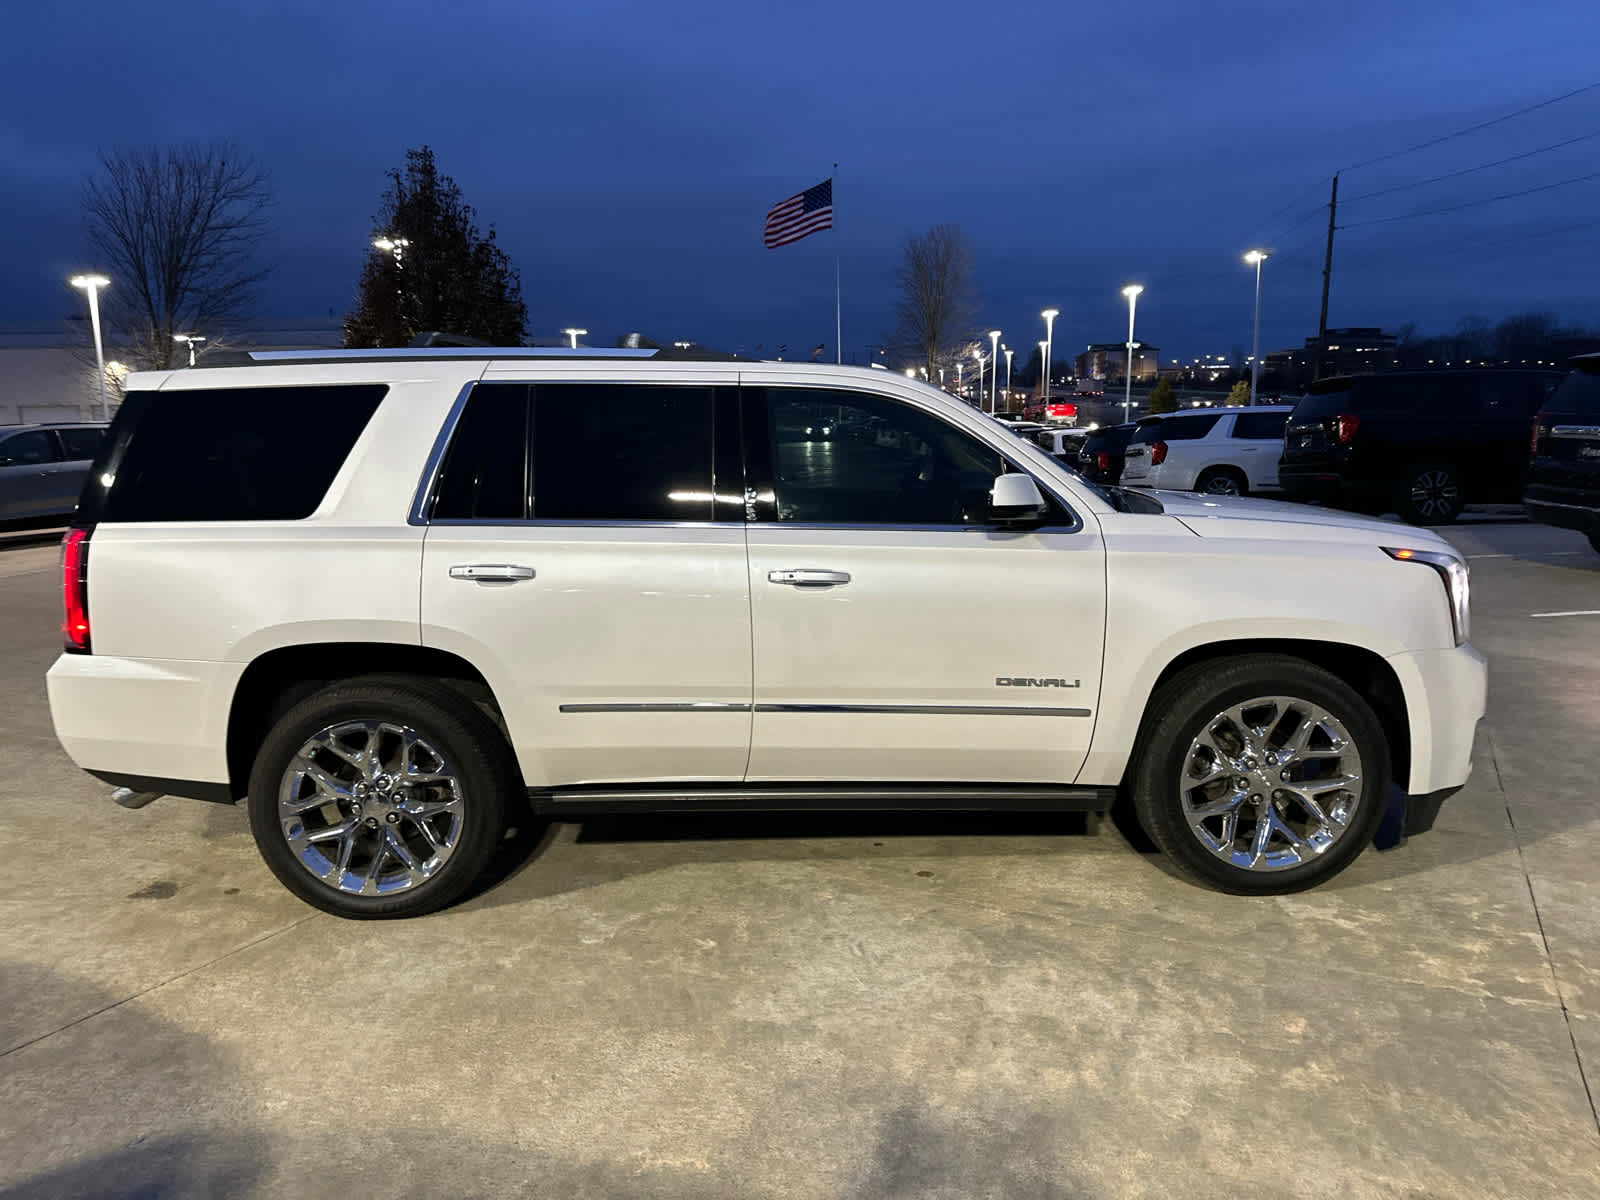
{"points": [[387, 597], [1219, 451]]}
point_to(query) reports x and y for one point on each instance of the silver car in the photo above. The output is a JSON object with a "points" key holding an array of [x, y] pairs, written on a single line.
{"points": [[42, 468]]}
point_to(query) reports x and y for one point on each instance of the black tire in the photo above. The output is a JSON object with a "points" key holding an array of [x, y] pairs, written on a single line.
{"points": [[1184, 705], [446, 720], [1430, 495], [1222, 481]]}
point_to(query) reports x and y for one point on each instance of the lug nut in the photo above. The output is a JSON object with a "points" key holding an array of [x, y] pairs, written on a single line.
{"points": [[1241, 783], [356, 809], [372, 822], [393, 818]]}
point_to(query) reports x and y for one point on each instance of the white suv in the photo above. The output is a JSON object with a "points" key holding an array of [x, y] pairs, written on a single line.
{"points": [[1222, 452], [384, 597]]}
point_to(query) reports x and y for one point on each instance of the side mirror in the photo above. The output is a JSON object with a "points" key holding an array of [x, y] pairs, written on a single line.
{"points": [[1016, 503]]}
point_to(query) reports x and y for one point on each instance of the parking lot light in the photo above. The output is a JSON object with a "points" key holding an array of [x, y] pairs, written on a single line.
{"points": [[574, 335], [190, 339], [994, 369], [1132, 292], [1049, 315], [92, 284]]}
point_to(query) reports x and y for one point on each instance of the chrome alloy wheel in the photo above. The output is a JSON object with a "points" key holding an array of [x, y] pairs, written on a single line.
{"points": [[1271, 783], [1221, 485], [370, 807], [1434, 494]]}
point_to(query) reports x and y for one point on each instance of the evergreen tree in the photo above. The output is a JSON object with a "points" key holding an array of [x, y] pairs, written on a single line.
{"points": [[1163, 397], [1239, 395], [433, 269]]}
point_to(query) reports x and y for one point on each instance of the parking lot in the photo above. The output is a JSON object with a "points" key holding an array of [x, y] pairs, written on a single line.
{"points": [[831, 1007]]}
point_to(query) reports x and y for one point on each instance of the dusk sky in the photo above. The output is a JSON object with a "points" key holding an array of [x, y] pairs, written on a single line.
{"points": [[627, 150]]}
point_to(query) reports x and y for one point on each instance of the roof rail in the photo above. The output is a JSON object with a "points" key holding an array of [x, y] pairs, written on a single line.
{"points": [[261, 358]]}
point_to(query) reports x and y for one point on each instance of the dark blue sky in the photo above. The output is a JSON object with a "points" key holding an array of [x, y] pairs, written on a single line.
{"points": [[627, 150]]}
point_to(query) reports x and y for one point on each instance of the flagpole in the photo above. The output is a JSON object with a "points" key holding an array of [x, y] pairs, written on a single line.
{"points": [[838, 323]]}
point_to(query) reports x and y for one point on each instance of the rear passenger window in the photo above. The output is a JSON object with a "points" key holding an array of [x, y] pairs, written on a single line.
{"points": [[484, 473], [1259, 425], [1509, 396], [622, 452], [226, 454]]}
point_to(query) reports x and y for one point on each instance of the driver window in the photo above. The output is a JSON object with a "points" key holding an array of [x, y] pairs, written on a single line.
{"points": [[851, 458]]}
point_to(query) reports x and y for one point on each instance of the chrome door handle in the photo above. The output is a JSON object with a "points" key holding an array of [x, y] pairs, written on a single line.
{"points": [[808, 577], [491, 573]]}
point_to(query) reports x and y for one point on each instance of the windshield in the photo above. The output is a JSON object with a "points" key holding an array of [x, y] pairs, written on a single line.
{"points": [[1322, 405]]}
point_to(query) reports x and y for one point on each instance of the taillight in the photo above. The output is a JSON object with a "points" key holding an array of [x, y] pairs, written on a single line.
{"points": [[1103, 460], [75, 591], [1533, 438], [1346, 425], [1158, 453]]}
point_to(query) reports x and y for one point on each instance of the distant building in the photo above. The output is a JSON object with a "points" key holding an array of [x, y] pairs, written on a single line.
{"points": [[1355, 350], [1108, 362], [47, 370]]}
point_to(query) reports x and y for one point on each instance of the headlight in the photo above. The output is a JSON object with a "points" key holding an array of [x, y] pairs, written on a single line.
{"points": [[1456, 583]]}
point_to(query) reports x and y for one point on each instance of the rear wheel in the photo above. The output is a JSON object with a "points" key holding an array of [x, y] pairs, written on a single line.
{"points": [[1221, 481], [1431, 496], [380, 797], [1266, 774]]}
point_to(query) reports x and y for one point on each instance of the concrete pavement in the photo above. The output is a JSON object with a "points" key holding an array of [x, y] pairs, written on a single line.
{"points": [[866, 1007]]}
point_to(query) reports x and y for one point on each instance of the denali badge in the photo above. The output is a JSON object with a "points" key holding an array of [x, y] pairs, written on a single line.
{"points": [[1030, 681]]}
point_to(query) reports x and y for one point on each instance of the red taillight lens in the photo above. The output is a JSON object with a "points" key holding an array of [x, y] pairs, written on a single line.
{"points": [[1103, 460], [75, 591], [1533, 438], [1158, 453], [1346, 425]]}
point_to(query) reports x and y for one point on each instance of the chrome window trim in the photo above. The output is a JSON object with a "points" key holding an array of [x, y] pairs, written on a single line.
{"points": [[422, 500], [595, 523], [989, 529], [1575, 431]]}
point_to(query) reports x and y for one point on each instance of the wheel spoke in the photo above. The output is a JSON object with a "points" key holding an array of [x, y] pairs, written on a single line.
{"points": [[1301, 737], [1258, 848], [429, 835], [346, 849], [332, 745], [1321, 787], [1216, 808], [333, 788], [375, 868], [333, 831], [430, 808]]}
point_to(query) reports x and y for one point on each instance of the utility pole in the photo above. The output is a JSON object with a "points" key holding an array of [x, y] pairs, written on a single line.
{"points": [[1327, 273]]}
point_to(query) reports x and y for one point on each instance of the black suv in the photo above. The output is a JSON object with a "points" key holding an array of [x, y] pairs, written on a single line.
{"points": [[1564, 476], [1420, 443], [1100, 457]]}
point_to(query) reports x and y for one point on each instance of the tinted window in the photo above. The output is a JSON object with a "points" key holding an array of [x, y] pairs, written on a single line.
{"points": [[81, 443], [1261, 425], [1578, 395], [34, 446], [1113, 440], [225, 454], [1175, 429], [484, 473], [622, 452], [843, 457]]}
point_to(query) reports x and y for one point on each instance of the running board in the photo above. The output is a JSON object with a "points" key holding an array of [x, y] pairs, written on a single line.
{"points": [[822, 797]]}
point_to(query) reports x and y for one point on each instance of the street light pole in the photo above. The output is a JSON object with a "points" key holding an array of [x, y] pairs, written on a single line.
{"points": [[1132, 293], [1049, 315], [1257, 257], [1007, 352], [188, 339], [994, 370], [92, 284], [978, 354], [574, 335]]}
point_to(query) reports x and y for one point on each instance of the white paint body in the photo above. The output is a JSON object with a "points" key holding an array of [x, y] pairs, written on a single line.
{"points": [[1187, 459], [789, 683]]}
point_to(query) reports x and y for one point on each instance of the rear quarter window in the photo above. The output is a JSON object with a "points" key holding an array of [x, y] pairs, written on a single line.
{"points": [[1578, 395], [1177, 429], [1259, 426], [225, 454]]}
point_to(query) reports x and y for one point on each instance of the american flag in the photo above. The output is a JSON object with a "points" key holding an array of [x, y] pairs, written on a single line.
{"points": [[799, 215]]}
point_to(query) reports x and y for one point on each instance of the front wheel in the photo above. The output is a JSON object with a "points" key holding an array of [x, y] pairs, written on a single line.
{"points": [[1220, 481], [1266, 774], [380, 797], [1431, 496]]}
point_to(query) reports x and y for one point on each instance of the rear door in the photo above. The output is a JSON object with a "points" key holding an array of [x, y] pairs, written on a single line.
{"points": [[885, 609], [577, 550], [1258, 438], [79, 445], [1499, 462]]}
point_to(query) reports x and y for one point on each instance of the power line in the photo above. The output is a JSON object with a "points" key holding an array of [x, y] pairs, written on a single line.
{"points": [[1499, 162], [1472, 128], [1429, 212]]}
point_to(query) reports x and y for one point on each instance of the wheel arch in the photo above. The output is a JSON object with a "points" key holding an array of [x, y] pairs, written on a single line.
{"points": [[277, 680], [1364, 670]]}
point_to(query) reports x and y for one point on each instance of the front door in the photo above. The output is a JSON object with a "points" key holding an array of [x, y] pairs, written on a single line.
{"points": [[897, 636], [28, 464], [575, 552]]}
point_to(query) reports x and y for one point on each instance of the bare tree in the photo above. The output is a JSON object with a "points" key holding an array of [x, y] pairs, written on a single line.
{"points": [[937, 301], [177, 230]]}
